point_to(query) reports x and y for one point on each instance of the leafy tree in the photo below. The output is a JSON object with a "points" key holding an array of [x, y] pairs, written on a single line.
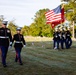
{"points": [[47, 31], [12, 27], [39, 27], [70, 10], [25, 30], [1, 19], [34, 30], [68, 0]]}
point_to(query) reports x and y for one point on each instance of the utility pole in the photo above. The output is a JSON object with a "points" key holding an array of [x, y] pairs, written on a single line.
{"points": [[73, 25], [73, 30]]}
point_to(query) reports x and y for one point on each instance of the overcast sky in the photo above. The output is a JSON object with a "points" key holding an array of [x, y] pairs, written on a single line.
{"points": [[22, 11]]}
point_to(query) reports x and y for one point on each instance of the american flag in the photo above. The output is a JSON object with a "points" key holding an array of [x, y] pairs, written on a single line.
{"points": [[55, 16]]}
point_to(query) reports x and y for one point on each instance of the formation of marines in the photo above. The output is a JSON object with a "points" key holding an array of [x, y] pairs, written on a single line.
{"points": [[62, 38]]}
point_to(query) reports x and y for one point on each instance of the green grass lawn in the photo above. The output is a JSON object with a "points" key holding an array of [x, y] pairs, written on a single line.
{"points": [[40, 58]]}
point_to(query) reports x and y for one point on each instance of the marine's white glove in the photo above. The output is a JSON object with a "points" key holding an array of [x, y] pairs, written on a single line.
{"points": [[10, 47], [24, 45], [10, 43]]}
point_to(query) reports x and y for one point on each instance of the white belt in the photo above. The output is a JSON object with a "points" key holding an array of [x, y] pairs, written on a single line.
{"points": [[4, 37], [18, 42]]}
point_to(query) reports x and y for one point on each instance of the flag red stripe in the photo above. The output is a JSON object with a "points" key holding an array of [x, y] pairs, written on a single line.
{"points": [[51, 16]]}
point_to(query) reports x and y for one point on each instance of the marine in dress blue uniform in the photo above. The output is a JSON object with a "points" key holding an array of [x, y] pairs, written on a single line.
{"points": [[59, 38], [68, 39], [63, 38], [55, 37], [19, 42], [5, 41]]}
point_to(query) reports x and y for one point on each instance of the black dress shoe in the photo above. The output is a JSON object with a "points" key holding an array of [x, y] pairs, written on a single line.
{"points": [[4, 65], [21, 63]]}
